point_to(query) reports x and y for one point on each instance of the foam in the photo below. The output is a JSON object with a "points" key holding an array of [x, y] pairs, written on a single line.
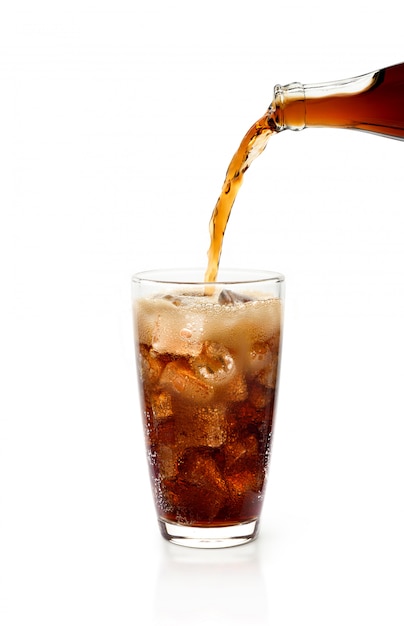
{"points": [[182, 327]]}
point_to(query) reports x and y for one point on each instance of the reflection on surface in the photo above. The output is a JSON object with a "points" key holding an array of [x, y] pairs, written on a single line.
{"points": [[223, 586]]}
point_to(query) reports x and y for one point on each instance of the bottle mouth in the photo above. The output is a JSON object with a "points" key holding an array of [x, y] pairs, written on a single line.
{"points": [[294, 94]]}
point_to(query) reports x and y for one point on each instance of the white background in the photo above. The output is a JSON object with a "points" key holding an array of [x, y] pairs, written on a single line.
{"points": [[117, 123]]}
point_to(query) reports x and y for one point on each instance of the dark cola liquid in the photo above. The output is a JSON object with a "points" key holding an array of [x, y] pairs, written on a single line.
{"points": [[379, 109], [208, 407]]}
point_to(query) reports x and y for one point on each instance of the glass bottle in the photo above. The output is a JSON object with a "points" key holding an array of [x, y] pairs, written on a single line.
{"points": [[373, 102]]}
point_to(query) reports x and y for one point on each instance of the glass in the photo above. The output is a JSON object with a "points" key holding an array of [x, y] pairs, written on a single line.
{"points": [[208, 362], [373, 102]]}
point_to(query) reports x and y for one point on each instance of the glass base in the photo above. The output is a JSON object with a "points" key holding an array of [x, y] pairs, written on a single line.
{"points": [[209, 537]]}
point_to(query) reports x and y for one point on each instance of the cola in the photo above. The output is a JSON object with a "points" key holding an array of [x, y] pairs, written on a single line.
{"points": [[208, 366], [373, 102]]}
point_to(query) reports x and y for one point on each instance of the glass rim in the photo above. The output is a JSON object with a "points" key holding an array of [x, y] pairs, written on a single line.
{"points": [[226, 276]]}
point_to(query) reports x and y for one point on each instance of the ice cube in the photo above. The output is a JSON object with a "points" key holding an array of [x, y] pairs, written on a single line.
{"points": [[176, 300], [235, 390], [241, 451], [201, 426], [165, 433], [178, 329], [260, 395], [166, 459], [227, 296], [268, 375], [200, 490], [161, 405], [185, 299], [150, 367], [214, 364], [244, 481], [259, 356], [262, 362], [179, 379], [199, 468], [192, 503]]}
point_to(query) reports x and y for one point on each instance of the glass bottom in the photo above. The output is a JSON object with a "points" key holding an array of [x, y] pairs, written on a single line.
{"points": [[209, 537]]}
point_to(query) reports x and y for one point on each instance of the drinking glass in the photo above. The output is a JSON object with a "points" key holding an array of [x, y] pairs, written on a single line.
{"points": [[208, 358]]}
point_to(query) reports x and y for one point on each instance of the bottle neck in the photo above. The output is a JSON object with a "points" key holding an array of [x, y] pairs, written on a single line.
{"points": [[292, 103], [289, 107]]}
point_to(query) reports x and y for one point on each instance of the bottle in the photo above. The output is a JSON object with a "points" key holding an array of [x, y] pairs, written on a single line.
{"points": [[372, 102]]}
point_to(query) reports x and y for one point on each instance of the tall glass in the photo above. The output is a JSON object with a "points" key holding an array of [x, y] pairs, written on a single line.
{"points": [[208, 362]]}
